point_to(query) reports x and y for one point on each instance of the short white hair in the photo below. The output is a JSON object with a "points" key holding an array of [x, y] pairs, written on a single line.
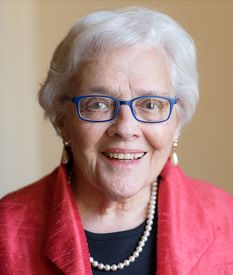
{"points": [[103, 31]]}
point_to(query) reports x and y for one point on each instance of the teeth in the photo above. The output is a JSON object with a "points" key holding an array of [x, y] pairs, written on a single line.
{"points": [[124, 156]]}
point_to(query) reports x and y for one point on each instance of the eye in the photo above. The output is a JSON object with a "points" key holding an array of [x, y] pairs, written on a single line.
{"points": [[97, 104], [150, 104]]}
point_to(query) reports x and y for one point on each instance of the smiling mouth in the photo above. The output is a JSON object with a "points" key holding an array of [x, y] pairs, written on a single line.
{"points": [[121, 156]]}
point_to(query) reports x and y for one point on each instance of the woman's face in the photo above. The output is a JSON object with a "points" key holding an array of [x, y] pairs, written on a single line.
{"points": [[123, 73]]}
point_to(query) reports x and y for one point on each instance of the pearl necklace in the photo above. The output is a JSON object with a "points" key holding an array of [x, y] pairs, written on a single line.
{"points": [[141, 243]]}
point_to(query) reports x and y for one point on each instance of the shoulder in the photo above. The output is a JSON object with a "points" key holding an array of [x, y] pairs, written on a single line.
{"points": [[209, 193], [24, 219], [27, 200], [217, 202], [206, 194]]}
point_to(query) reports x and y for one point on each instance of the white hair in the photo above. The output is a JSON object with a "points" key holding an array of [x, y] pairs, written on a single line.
{"points": [[103, 31]]}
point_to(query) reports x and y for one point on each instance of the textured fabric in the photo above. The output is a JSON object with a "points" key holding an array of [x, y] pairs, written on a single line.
{"points": [[41, 230]]}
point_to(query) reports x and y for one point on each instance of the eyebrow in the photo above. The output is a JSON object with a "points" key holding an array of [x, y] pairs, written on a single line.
{"points": [[154, 93], [97, 90], [101, 90]]}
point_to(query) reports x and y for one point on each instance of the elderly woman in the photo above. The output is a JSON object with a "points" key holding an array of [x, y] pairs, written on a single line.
{"points": [[121, 85]]}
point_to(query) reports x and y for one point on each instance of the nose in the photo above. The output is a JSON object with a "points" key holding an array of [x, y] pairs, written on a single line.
{"points": [[124, 126]]}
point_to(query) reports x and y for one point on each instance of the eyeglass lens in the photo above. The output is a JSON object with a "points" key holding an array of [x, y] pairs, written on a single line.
{"points": [[150, 109]]}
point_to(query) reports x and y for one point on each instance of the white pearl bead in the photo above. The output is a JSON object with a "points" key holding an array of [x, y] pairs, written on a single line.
{"points": [[131, 259], [151, 212], [126, 262], [141, 243], [149, 222], [152, 203], [114, 267], [101, 266], [95, 263], [107, 267], [150, 217], [153, 193], [91, 260], [139, 249], [152, 207], [135, 254], [144, 238], [121, 266], [154, 188], [148, 227]]}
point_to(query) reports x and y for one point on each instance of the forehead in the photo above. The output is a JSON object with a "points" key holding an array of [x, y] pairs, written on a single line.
{"points": [[128, 69]]}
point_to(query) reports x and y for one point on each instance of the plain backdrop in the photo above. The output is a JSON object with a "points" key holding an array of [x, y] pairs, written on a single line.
{"points": [[30, 31]]}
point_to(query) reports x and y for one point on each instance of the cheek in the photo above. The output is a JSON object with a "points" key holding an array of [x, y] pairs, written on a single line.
{"points": [[86, 136], [161, 136]]}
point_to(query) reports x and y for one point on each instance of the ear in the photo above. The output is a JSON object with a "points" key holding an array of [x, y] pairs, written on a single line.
{"points": [[178, 127], [177, 132], [61, 128], [63, 118]]}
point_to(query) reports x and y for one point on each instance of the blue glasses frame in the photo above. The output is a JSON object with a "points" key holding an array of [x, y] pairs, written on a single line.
{"points": [[76, 100]]}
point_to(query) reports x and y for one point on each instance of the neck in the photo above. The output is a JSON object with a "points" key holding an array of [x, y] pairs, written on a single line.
{"points": [[103, 214]]}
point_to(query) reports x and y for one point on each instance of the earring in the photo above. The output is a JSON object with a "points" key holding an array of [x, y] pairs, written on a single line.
{"points": [[174, 157], [65, 155]]}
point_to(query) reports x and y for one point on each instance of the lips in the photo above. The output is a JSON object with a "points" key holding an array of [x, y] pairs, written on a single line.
{"points": [[123, 154]]}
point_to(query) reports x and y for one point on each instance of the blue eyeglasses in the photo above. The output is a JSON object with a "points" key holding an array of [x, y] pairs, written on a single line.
{"points": [[149, 109]]}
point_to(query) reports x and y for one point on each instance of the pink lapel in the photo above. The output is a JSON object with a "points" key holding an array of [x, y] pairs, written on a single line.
{"points": [[66, 246], [185, 230]]}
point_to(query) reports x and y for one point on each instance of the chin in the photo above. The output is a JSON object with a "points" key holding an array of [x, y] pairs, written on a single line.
{"points": [[120, 197], [122, 190]]}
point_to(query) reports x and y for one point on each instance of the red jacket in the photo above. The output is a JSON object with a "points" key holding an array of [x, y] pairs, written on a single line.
{"points": [[41, 230]]}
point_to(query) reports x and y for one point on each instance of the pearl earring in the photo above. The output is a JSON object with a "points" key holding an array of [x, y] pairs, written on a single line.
{"points": [[174, 157], [65, 155]]}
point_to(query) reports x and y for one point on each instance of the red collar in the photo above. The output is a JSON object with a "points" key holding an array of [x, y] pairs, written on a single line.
{"points": [[185, 229], [66, 241]]}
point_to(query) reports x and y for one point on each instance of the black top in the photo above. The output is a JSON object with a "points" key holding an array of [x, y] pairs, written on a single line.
{"points": [[113, 248]]}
